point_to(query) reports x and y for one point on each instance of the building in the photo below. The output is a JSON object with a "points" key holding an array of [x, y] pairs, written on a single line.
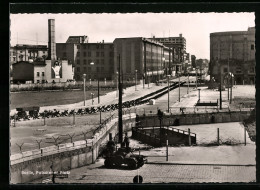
{"points": [[151, 59], [40, 70], [24, 52], [80, 53], [233, 52], [178, 46], [193, 61]]}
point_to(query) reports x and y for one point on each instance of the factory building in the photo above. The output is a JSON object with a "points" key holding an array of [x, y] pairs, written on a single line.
{"points": [[233, 52]]}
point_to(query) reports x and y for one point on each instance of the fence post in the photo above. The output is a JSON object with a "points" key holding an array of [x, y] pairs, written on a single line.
{"points": [[245, 135], [92, 152], [139, 150], [218, 136], [74, 119], [44, 121], [166, 150], [110, 137], [189, 137], [14, 119]]}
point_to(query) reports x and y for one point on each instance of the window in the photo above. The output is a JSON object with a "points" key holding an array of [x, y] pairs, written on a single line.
{"points": [[97, 62], [21, 51], [38, 81], [43, 81], [252, 47], [89, 53], [97, 69], [78, 53], [89, 68], [78, 61], [102, 54], [43, 52], [13, 58], [78, 46], [97, 46], [85, 69], [85, 53], [102, 61], [85, 46], [97, 54], [64, 54], [111, 54], [102, 46], [78, 69], [38, 74], [43, 74], [64, 47], [85, 62], [102, 69], [225, 70]]}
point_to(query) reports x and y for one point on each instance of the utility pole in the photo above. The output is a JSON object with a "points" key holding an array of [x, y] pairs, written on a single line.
{"points": [[220, 90], [120, 121]]}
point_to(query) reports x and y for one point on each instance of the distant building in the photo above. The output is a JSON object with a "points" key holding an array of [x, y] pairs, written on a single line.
{"points": [[80, 53], [233, 52], [41, 69], [178, 46], [151, 59], [24, 52], [193, 61]]}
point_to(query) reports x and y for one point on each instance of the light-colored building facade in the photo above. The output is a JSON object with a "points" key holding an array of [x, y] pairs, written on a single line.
{"points": [[233, 52]]}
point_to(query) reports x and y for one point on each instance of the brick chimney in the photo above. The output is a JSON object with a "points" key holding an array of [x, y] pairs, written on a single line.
{"points": [[51, 40]]}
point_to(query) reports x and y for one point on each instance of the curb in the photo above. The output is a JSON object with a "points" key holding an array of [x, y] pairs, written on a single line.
{"points": [[194, 164]]}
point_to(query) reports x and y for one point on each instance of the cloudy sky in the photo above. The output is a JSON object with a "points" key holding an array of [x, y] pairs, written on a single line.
{"points": [[195, 27]]}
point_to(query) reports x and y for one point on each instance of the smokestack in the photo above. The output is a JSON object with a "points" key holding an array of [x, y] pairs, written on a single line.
{"points": [[51, 41]]}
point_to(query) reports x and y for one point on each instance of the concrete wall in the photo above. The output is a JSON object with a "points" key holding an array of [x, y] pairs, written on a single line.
{"points": [[192, 119], [64, 158]]}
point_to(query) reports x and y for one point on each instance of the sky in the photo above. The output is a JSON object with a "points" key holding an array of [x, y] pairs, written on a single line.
{"points": [[194, 27]]}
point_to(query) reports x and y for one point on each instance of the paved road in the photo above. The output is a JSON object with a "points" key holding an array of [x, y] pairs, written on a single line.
{"points": [[161, 173]]}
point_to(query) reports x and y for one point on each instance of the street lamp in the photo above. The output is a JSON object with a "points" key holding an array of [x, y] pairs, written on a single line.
{"points": [[135, 80], [163, 61], [168, 77], [84, 88], [116, 83], [92, 95], [148, 77], [232, 76], [92, 63]]}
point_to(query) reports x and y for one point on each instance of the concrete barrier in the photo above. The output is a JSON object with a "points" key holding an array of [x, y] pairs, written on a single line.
{"points": [[79, 143], [36, 152], [69, 145], [27, 154], [16, 156], [62, 146]]}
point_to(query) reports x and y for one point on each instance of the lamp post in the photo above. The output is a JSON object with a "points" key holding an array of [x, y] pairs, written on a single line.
{"points": [[135, 80], [179, 87], [232, 76], [163, 61], [84, 88], [92, 95], [148, 77], [92, 63], [116, 83], [168, 77], [188, 83]]}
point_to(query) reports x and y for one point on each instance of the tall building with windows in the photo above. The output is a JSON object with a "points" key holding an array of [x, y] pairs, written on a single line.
{"points": [[80, 53], [151, 59], [233, 52], [178, 49]]}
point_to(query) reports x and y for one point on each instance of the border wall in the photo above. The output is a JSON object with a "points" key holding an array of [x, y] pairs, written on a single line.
{"points": [[31, 165]]}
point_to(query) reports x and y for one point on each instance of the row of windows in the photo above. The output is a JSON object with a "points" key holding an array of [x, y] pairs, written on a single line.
{"points": [[38, 74], [78, 69], [89, 54], [98, 46], [97, 61]]}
